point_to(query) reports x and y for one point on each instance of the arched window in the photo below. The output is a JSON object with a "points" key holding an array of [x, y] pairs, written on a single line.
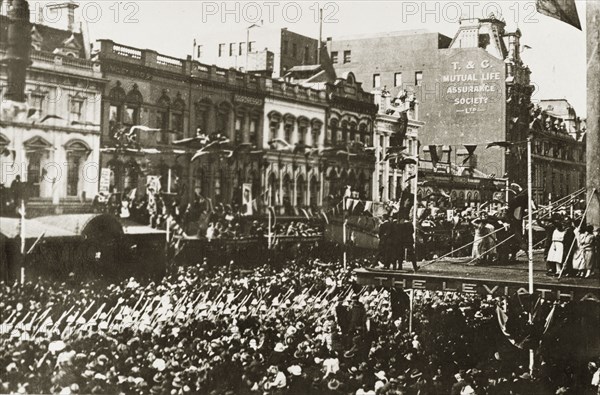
{"points": [[223, 114], [316, 126], [332, 132], [255, 117], [300, 191], [288, 127], [287, 192], [303, 123], [273, 188], [177, 117], [353, 131], [202, 115], [162, 118], [364, 137], [133, 104], [274, 124], [343, 133], [239, 129], [77, 153], [314, 191], [116, 102]]}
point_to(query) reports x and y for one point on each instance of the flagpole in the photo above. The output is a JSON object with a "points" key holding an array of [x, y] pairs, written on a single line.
{"points": [[269, 235], [415, 206], [530, 237], [22, 237], [168, 224], [410, 317], [345, 221]]}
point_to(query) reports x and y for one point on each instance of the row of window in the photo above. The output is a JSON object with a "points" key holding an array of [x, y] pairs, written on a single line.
{"points": [[285, 49], [548, 149], [39, 102], [234, 48], [347, 56], [398, 79]]}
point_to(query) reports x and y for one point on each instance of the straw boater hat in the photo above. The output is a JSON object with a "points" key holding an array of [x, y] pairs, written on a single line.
{"points": [[295, 370], [333, 384]]}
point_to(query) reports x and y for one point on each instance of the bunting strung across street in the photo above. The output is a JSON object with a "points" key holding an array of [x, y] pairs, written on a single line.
{"points": [[436, 152], [470, 151]]}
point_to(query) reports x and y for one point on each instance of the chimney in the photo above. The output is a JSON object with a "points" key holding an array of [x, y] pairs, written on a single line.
{"points": [[17, 56], [514, 46], [70, 6]]}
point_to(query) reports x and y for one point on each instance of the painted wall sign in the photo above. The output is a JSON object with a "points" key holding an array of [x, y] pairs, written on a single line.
{"points": [[476, 286]]}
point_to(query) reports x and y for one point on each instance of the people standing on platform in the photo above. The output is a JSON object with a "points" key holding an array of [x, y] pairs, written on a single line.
{"points": [[484, 242], [569, 248], [584, 256], [385, 245], [554, 259]]}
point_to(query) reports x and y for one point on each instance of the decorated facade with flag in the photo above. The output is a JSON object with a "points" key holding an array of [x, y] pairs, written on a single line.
{"points": [[52, 144], [473, 89], [395, 138]]}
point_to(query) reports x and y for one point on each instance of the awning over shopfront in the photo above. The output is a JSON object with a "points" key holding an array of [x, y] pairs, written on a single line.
{"points": [[61, 226]]}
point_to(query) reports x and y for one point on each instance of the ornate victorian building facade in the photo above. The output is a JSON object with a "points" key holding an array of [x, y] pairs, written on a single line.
{"points": [[290, 143], [54, 146], [558, 154]]}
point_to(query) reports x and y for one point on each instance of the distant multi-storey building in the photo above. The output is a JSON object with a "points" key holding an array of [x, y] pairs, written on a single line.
{"points": [[558, 155], [54, 146], [271, 124], [258, 49], [472, 89]]}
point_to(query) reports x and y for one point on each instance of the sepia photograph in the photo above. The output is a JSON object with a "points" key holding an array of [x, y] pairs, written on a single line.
{"points": [[281, 197]]}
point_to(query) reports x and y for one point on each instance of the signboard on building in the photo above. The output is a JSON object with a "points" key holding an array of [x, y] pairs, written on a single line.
{"points": [[105, 174], [467, 105], [254, 101]]}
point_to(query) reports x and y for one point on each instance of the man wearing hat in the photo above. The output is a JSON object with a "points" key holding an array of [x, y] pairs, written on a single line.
{"points": [[385, 250], [358, 317], [297, 383]]}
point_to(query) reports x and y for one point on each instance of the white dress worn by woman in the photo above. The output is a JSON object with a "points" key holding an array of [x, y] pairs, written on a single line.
{"points": [[555, 254], [585, 248]]}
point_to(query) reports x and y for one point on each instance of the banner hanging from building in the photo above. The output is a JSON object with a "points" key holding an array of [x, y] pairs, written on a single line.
{"points": [[247, 198]]}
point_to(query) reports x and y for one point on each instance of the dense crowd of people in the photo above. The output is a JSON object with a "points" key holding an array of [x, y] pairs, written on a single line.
{"points": [[301, 329]]}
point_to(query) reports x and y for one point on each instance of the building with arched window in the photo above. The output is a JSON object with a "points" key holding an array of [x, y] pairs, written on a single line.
{"points": [[54, 146]]}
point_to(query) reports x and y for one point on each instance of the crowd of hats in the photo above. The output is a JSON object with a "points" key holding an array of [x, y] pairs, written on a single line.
{"points": [[222, 228], [206, 330]]}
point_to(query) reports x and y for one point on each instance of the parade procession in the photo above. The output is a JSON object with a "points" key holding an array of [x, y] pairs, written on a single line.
{"points": [[272, 198]]}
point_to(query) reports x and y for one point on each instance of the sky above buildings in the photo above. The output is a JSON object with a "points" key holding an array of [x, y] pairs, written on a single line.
{"points": [[556, 53]]}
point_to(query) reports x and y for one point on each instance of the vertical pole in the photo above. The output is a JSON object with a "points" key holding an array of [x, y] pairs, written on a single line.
{"points": [[410, 311], [530, 234], [507, 194], [269, 234], [415, 207], [247, 48], [593, 110], [320, 37], [168, 224], [22, 237], [344, 235]]}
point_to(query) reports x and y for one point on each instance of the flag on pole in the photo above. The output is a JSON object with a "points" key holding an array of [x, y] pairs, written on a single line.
{"points": [[563, 10], [470, 151], [435, 155]]}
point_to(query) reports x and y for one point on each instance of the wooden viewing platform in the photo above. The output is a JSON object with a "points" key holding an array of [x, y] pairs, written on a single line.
{"points": [[454, 274]]}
